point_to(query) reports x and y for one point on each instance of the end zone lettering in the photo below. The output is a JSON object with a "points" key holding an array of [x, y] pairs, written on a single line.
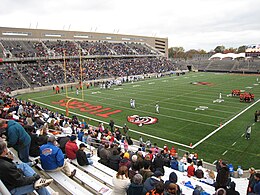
{"points": [[87, 107]]}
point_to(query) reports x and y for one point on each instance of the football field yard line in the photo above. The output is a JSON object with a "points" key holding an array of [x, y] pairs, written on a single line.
{"points": [[147, 135], [216, 130]]}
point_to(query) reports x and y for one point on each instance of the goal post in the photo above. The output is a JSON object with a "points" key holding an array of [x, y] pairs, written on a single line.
{"points": [[81, 84]]}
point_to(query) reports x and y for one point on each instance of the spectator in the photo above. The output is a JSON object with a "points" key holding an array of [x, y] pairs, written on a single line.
{"points": [[191, 170], [125, 160], [151, 182], [62, 142], [121, 181], [221, 191], [251, 179], [114, 160], [52, 158], [240, 171], [104, 155], [199, 173], [172, 189], [146, 171], [112, 124], [174, 163], [71, 148], [222, 176], [172, 180], [20, 178], [82, 157], [210, 178], [158, 189], [231, 190], [38, 121], [17, 138], [257, 184], [136, 186], [35, 144], [158, 163]]}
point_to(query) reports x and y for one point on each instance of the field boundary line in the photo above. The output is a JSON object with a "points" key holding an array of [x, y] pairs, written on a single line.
{"points": [[216, 130], [147, 135]]}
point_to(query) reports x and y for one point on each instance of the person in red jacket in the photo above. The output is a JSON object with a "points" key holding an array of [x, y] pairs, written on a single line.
{"points": [[191, 170], [71, 148]]}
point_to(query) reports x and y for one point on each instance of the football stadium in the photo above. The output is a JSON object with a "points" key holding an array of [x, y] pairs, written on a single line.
{"points": [[120, 98]]}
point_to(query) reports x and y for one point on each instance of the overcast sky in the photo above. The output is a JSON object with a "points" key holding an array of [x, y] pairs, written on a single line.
{"points": [[192, 24]]}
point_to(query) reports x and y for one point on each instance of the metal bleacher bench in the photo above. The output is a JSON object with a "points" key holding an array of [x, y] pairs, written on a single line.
{"points": [[68, 184], [94, 172], [94, 185]]}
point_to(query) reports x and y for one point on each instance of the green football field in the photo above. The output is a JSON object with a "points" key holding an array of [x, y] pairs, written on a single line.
{"points": [[189, 113]]}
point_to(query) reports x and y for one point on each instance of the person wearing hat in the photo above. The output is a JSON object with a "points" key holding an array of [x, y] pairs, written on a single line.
{"points": [[150, 182], [17, 138], [222, 176], [173, 178], [71, 148], [52, 158], [125, 160], [82, 157]]}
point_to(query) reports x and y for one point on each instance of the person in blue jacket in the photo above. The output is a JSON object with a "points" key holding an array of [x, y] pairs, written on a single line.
{"points": [[17, 138], [52, 158]]}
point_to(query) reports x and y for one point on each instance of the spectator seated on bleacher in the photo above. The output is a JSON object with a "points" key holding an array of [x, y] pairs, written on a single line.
{"points": [[82, 157], [146, 171], [121, 181], [35, 144], [62, 142], [209, 178], [71, 147], [157, 190], [114, 160], [20, 178], [158, 163], [199, 172], [151, 182], [104, 155], [174, 163], [52, 158], [173, 178], [191, 170], [136, 186], [172, 189], [125, 160]]}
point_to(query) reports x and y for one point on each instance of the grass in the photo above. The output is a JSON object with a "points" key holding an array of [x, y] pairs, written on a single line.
{"points": [[179, 124]]}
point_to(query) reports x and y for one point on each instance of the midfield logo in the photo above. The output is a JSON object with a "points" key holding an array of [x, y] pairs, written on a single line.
{"points": [[140, 121]]}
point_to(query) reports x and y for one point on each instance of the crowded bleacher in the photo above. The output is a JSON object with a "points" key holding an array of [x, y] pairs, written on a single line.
{"points": [[103, 159]]}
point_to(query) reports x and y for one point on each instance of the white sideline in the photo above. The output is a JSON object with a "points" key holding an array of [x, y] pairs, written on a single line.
{"points": [[216, 130]]}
